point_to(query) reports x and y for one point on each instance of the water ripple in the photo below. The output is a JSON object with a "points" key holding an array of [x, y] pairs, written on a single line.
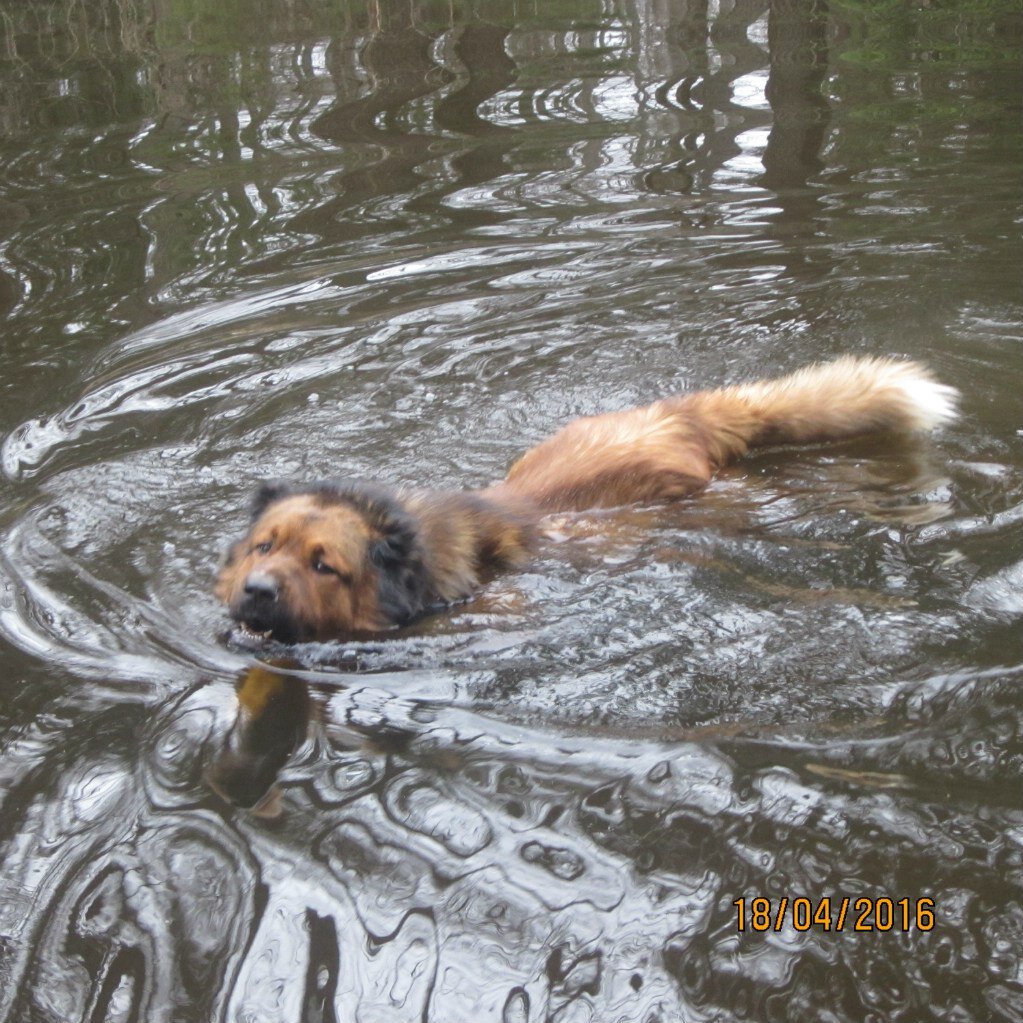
{"points": [[404, 243]]}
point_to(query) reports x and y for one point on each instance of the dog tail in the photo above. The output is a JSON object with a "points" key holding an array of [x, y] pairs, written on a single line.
{"points": [[830, 401], [672, 448]]}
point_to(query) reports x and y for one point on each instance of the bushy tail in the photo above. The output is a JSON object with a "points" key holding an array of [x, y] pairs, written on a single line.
{"points": [[671, 448], [844, 398]]}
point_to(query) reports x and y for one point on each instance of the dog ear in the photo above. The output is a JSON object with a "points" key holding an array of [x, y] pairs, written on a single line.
{"points": [[403, 577], [266, 494]]}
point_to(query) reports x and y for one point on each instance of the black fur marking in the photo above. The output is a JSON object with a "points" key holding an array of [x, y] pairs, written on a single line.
{"points": [[267, 494], [397, 554], [403, 592]]}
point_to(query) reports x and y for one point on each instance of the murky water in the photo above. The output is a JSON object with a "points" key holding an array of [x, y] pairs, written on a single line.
{"points": [[404, 241]]}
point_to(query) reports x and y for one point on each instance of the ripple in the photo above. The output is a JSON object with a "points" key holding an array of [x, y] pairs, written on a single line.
{"points": [[405, 244]]}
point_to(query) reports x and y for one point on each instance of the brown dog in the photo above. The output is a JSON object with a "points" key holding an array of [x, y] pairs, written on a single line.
{"points": [[334, 558]]}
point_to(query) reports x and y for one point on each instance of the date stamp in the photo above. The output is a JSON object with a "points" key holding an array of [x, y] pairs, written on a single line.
{"points": [[835, 913]]}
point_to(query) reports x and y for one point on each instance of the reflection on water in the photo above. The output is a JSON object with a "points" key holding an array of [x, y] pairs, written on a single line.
{"points": [[272, 720], [405, 241]]}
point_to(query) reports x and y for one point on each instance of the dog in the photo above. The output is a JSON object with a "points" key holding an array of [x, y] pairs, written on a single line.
{"points": [[335, 559]]}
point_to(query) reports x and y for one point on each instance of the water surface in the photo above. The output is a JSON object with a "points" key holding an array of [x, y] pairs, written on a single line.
{"points": [[403, 242]]}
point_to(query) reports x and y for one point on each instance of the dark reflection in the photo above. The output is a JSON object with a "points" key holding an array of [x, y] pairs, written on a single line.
{"points": [[397, 58], [481, 49], [593, 870], [402, 843], [323, 970], [272, 720], [968, 737], [797, 42]]}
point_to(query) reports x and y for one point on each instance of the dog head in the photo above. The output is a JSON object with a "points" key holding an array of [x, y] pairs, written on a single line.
{"points": [[319, 562]]}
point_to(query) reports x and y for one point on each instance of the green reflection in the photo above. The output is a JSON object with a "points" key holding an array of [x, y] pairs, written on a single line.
{"points": [[966, 34]]}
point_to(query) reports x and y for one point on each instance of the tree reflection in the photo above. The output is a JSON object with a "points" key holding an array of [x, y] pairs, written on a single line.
{"points": [[797, 43]]}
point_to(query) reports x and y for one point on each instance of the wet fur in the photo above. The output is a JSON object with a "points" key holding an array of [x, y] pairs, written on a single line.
{"points": [[393, 555], [348, 557]]}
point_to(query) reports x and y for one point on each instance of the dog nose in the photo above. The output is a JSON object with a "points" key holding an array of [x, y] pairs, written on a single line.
{"points": [[261, 586]]}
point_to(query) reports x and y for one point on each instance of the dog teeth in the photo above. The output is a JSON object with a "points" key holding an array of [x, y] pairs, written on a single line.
{"points": [[251, 633]]}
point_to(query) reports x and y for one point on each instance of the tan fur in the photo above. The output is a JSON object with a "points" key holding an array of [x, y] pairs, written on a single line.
{"points": [[670, 449], [451, 541], [465, 538], [639, 456], [301, 530]]}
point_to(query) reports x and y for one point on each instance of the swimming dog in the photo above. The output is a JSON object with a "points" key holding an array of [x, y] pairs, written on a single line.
{"points": [[335, 558]]}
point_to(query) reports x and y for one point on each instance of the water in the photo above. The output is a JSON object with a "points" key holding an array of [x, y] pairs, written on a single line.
{"points": [[403, 242]]}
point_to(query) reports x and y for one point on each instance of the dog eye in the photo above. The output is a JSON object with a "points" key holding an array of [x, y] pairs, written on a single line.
{"points": [[319, 565], [263, 548]]}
